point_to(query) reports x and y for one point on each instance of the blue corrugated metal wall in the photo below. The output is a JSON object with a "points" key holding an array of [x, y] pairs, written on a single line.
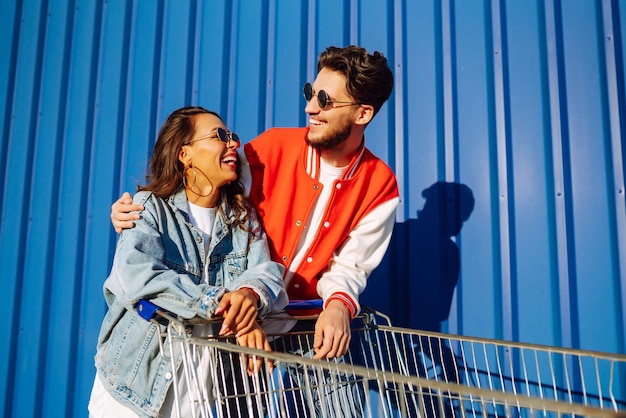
{"points": [[520, 101]]}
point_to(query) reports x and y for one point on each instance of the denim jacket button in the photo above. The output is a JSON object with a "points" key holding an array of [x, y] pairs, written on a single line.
{"points": [[168, 375]]}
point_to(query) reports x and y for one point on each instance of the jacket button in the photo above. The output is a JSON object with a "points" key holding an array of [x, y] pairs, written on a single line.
{"points": [[316, 186], [297, 286], [326, 224], [284, 258], [309, 259], [338, 185], [298, 222], [168, 375], [198, 239]]}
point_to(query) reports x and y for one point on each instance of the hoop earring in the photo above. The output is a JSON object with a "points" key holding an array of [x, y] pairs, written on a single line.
{"points": [[195, 176]]}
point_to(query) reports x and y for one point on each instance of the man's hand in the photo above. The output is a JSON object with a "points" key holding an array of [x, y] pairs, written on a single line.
{"points": [[239, 309], [256, 338], [120, 216], [332, 331]]}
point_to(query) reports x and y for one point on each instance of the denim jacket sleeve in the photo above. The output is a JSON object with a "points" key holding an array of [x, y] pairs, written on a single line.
{"points": [[161, 259]]}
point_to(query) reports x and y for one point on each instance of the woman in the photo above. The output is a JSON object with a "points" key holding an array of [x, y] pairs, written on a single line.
{"points": [[198, 250]]}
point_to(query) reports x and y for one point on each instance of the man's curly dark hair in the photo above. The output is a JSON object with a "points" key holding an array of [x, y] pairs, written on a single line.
{"points": [[369, 79]]}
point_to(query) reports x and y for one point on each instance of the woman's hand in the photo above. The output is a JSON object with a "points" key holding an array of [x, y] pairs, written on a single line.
{"points": [[239, 309], [255, 338], [121, 218]]}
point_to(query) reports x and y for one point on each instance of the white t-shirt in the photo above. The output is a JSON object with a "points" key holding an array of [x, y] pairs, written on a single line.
{"points": [[203, 219]]}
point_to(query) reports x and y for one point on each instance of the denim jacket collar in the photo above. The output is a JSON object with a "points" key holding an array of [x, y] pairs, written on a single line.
{"points": [[179, 201]]}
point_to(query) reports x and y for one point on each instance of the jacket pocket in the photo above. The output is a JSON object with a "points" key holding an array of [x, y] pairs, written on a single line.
{"points": [[225, 269], [236, 263]]}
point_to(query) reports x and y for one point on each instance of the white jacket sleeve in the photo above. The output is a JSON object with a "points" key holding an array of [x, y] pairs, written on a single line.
{"points": [[360, 254]]}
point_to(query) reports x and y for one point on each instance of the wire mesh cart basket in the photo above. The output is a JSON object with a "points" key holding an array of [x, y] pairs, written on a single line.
{"points": [[388, 372]]}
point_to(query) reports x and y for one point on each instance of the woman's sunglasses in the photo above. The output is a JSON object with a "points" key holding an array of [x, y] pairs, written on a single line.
{"points": [[222, 135]]}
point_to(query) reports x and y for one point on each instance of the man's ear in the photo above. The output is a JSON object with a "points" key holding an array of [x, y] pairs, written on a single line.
{"points": [[365, 115]]}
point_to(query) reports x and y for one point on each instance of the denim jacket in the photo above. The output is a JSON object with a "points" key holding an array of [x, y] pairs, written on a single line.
{"points": [[161, 259]]}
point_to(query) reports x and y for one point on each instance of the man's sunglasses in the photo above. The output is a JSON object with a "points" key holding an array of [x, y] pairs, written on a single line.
{"points": [[222, 135], [323, 101]]}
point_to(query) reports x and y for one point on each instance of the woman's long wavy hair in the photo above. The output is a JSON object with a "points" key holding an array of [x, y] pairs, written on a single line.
{"points": [[166, 171]]}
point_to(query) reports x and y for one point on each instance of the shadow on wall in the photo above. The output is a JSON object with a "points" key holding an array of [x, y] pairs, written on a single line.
{"points": [[421, 267]]}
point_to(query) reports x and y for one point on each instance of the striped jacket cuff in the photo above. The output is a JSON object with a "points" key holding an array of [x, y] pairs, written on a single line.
{"points": [[346, 300]]}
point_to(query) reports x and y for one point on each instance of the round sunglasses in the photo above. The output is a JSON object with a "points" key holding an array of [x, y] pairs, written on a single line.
{"points": [[323, 101], [222, 135]]}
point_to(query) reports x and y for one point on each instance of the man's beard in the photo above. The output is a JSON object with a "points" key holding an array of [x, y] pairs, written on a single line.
{"points": [[332, 139]]}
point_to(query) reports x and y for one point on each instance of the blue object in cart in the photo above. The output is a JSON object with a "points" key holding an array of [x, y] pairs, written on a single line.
{"points": [[305, 304]]}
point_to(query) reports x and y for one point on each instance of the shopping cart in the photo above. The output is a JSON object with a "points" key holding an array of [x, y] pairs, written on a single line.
{"points": [[388, 372]]}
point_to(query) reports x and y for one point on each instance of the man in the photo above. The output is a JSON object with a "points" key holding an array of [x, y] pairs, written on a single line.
{"points": [[326, 202]]}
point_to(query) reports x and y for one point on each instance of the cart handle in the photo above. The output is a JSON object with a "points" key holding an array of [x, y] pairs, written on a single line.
{"points": [[147, 309]]}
